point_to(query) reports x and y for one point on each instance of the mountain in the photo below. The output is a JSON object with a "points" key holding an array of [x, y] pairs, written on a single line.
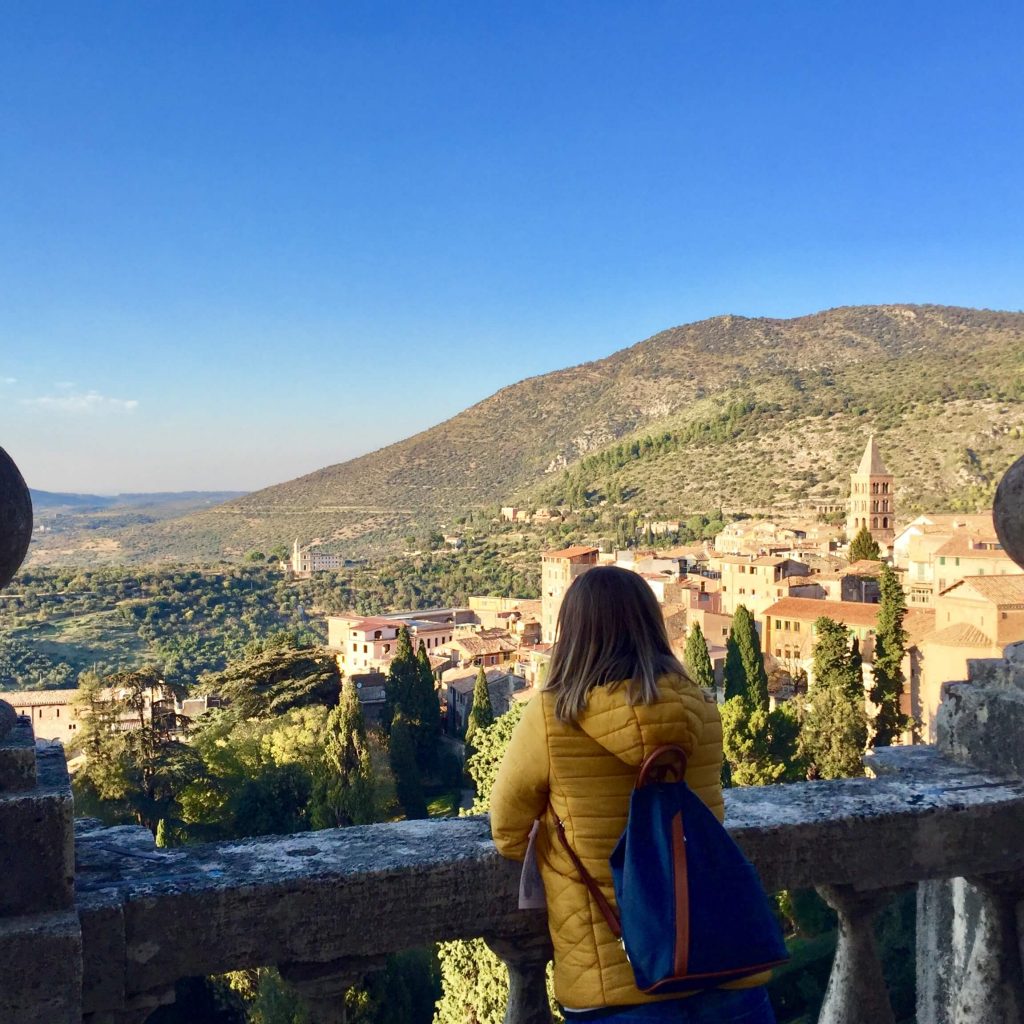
{"points": [[744, 413]]}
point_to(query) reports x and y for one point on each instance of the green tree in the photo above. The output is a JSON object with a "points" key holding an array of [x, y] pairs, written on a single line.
{"points": [[428, 713], [406, 772], [759, 745], [745, 674], [864, 547], [890, 649], [134, 757], [481, 714], [343, 786], [833, 734], [276, 680], [697, 660], [403, 679]]}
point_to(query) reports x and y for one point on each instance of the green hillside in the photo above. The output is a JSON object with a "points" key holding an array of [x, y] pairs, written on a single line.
{"points": [[746, 414]]}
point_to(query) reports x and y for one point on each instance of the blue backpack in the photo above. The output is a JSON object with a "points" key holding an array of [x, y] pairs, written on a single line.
{"points": [[692, 912]]}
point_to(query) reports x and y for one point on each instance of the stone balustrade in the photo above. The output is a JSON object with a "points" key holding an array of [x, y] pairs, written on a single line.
{"points": [[105, 940]]}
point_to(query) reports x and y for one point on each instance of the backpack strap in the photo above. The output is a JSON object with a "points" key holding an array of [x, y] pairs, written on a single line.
{"points": [[611, 918]]}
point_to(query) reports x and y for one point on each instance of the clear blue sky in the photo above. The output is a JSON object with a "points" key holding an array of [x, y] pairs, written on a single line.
{"points": [[241, 240]]}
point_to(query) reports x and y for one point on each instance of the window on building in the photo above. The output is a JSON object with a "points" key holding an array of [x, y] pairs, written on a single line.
{"points": [[377, 634], [942, 559], [796, 627], [778, 623], [787, 624], [778, 652], [957, 561], [365, 649]]}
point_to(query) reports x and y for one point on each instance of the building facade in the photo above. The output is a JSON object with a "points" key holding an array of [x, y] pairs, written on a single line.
{"points": [[557, 570]]}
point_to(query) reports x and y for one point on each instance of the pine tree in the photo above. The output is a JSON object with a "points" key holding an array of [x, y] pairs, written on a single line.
{"points": [[403, 765], [343, 786], [833, 734], [481, 715], [864, 547], [697, 660], [890, 648], [162, 837]]}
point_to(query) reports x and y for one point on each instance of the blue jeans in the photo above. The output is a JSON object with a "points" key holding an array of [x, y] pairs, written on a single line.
{"points": [[719, 1006]]}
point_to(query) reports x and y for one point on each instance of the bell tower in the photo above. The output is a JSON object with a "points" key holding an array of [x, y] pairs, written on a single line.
{"points": [[871, 498]]}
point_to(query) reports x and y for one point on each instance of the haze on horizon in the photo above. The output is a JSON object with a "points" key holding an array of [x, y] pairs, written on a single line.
{"points": [[245, 241]]}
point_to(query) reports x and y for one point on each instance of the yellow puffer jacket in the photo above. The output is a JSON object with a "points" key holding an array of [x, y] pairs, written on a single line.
{"points": [[584, 776]]}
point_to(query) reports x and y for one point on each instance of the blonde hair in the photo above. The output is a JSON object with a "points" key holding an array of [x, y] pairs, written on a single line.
{"points": [[610, 631]]}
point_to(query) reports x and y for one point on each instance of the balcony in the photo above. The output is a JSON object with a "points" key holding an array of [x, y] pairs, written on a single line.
{"points": [[96, 925]]}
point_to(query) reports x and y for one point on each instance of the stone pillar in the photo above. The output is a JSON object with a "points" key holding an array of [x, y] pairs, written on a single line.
{"points": [[322, 986], [856, 990], [526, 957], [969, 968], [40, 937]]}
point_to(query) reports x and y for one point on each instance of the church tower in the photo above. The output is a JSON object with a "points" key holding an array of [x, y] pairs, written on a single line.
{"points": [[871, 498]]}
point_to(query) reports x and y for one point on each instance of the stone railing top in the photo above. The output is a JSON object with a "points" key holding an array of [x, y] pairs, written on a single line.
{"points": [[370, 890]]}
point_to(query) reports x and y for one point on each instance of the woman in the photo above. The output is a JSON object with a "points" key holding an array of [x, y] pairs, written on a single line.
{"points": [[615, 692]]}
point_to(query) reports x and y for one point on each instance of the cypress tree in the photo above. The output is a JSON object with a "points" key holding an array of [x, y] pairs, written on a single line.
{"points": [[864, 547], [697, 660], [481, 714], [428, 712], [735, 679], [403, 678], [403, 765], [343, 789], [834, 730], [748, 677], [890, 648]]}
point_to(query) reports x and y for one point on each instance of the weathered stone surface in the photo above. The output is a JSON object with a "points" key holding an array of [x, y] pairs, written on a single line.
{"points": [[8, 718], [991, 988], [15, 518], [856, 987], [17, 757], [1008, 511], [371, 890], [37, 849], [526, 959], [41, 969], [981, 721]]}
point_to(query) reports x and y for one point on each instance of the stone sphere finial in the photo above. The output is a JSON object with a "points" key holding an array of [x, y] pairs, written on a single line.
{"points": [[1008, 511], [15, 518]]}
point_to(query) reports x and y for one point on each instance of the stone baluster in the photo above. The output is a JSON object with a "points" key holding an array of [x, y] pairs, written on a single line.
{"points": [[322, 986], [526, 957], [992, 987], [856, 992]]}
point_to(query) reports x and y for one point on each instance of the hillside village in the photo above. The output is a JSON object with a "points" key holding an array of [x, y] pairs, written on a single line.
{"points": [[965, 599]]}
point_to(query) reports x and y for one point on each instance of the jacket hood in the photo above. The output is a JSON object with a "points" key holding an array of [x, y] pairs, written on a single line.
{"points": [[632, 731]]}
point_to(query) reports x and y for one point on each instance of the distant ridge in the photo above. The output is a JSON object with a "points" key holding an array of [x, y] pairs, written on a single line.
{"points": [[59, 499], [748, 414]]}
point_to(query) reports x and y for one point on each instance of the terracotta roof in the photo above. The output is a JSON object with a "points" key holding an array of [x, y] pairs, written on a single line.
{"points": [[807, 609], [960, 634], [918, 623], [478, 646], [964, 544], [573, 552], [1000, 590], [871, 463], [864, 567], [37, 698]]}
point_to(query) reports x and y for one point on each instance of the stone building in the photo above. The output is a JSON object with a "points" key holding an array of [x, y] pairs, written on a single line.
{"points": [[557, 570]]}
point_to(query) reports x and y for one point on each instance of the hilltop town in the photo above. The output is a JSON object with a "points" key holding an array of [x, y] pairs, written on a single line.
{"points": [[964, 595]]}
